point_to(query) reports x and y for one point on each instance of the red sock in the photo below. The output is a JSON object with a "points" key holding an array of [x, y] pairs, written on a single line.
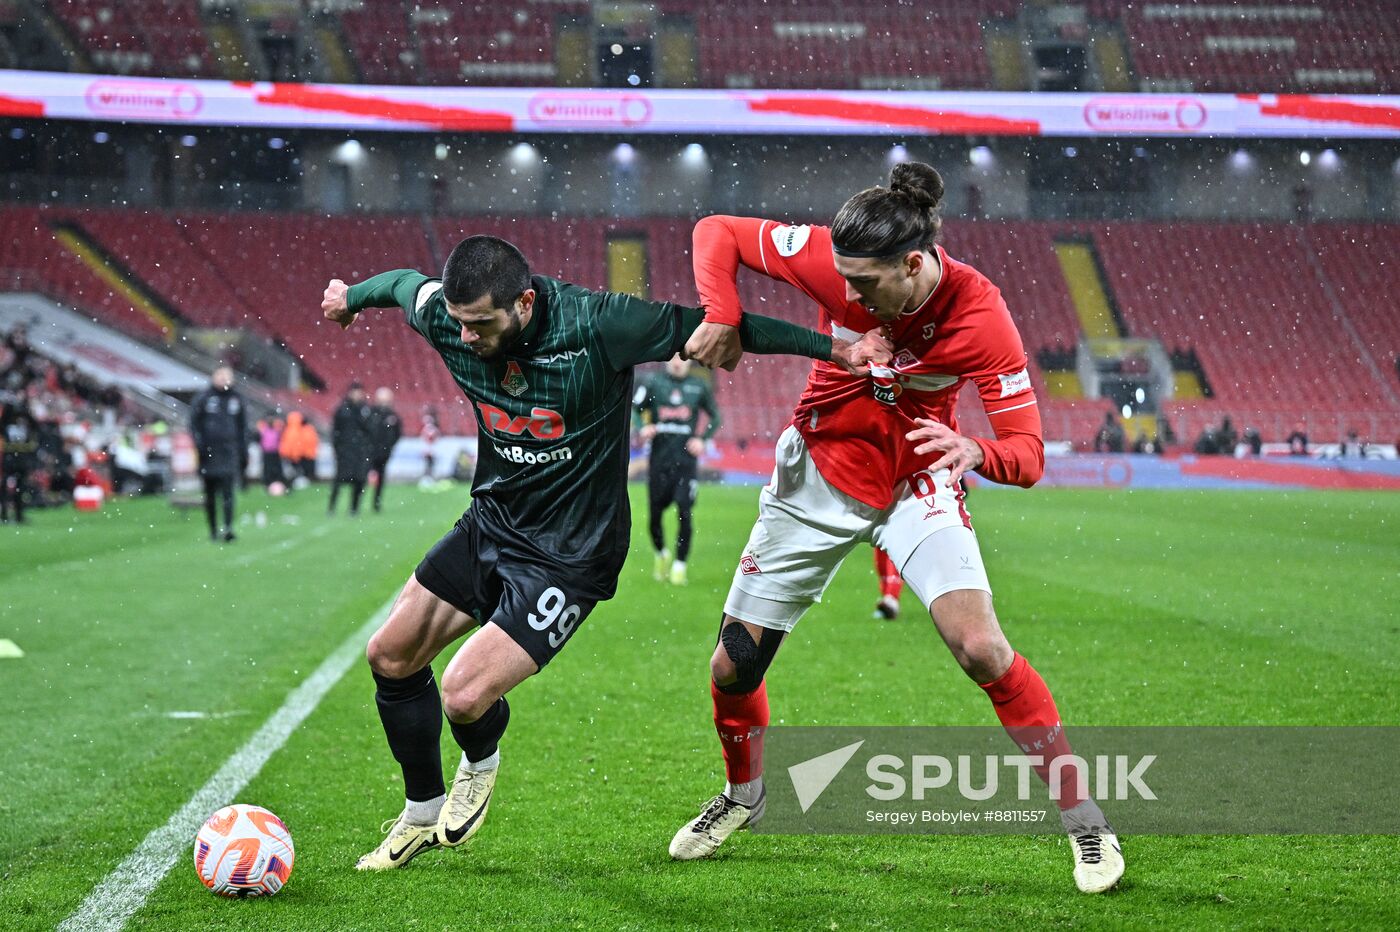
{"points": [[741, 720], [891, 583], [1027, 712]]}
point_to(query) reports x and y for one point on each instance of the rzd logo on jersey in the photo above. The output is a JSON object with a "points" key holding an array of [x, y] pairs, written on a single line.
{"points": [[540, 423]]}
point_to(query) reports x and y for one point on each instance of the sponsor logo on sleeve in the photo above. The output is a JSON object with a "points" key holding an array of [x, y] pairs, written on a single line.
{"points": [[1015, 382], [789, 240]]}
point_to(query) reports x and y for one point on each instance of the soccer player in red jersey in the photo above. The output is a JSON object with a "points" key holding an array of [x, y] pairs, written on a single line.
{"points": [[879, 460]]}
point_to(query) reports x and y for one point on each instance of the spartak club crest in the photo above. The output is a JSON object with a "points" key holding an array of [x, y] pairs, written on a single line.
{"points": [[514, 382]]}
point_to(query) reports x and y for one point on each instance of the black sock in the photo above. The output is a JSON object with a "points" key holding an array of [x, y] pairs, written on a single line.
{"points": [[411, 711], [479, 739]]}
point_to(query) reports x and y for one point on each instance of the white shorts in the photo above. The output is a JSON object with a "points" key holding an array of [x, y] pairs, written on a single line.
{"points": [[806, 527]]}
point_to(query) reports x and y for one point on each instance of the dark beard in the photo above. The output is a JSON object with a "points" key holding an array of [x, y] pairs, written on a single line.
{"points": [[508, 336]]}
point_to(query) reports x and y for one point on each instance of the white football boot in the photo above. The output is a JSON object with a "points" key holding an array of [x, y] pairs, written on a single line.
{"points": [[1098, 857], [404, 842], [466, 805], [721, 817]]}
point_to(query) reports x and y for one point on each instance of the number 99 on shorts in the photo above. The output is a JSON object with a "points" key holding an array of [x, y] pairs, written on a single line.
{"points": [[553, 612]]}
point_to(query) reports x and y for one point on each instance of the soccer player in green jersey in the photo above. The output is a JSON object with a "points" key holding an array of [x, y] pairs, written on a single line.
{"points": [[669, 405], [547, 367]]}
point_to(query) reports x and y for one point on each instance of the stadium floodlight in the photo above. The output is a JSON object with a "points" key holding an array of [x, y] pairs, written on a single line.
{"points": [[1241, 160], [898, 153], [523, 155], [693, 156], [441, 151], [1329, 159], [1305, 157], [981, 156], [349, 152], [188, 141], [17, 133], [100, 137], [624, 155], [276, 142]]}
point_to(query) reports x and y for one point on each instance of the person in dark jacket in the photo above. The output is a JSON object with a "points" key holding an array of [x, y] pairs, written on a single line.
{"points": [[350, 435], [19, 446], [385, 429], [219, 423]]}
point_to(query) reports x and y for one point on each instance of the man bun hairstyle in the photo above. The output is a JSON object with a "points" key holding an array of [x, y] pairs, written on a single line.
{"points": [[889, 222], [482, 265]]}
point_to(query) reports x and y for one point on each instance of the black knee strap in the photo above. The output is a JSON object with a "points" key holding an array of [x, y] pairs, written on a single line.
{"points": [[751, 660]]}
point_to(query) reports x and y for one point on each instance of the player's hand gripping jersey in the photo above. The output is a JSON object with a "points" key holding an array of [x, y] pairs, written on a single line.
{"points": [[854, 428]]}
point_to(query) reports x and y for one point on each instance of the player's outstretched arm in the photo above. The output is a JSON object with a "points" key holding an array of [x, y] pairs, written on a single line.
{"points": [[768, 336], [636, 331], [398, 288]]}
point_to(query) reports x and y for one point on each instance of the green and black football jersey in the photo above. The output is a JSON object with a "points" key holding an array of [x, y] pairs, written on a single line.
{"points": [[553, 409], [674, 406]]}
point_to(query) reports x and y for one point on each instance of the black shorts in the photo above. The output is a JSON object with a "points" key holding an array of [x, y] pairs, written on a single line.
{"points": [[537, 604], [672, 481]]}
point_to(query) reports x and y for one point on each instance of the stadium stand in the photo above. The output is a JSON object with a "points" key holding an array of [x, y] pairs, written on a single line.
{"points": [[485, 44], [1248, 46], [150, 37], [1259, 45], [815, 44], [380, 38], [1254, 322]]}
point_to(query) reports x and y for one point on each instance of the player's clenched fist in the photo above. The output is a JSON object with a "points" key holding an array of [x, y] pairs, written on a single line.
{"points": [[959, 453], [856, 358], [333, 304], [715, 346]]}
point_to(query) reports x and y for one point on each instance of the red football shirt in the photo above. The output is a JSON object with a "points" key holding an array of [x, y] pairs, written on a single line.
{"points": [[963, 331]]}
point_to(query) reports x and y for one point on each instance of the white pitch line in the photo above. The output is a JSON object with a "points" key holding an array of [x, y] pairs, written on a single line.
{"points": [[122, 892], [255, 555]]}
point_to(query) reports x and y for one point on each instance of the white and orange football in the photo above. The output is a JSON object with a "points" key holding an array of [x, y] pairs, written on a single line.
{"points": [[243, 851]]}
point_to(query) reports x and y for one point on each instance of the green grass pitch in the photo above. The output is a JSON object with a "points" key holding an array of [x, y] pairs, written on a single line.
{"points": [[1139, 608]]}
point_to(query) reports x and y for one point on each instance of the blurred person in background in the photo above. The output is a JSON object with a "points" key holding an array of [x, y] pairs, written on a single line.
{"points": [[1298, 440], [668, 407], [1353, 447], [428, 434], [350, 436], [1226, 437], [219, 425], [270, 441], [1110, 438], [385, 429], [19, 445]]}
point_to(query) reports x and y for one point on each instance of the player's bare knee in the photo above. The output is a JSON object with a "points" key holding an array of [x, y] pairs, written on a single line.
{"points": [[385, 660], [983, 655], [722, 668], [466, 702]]}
